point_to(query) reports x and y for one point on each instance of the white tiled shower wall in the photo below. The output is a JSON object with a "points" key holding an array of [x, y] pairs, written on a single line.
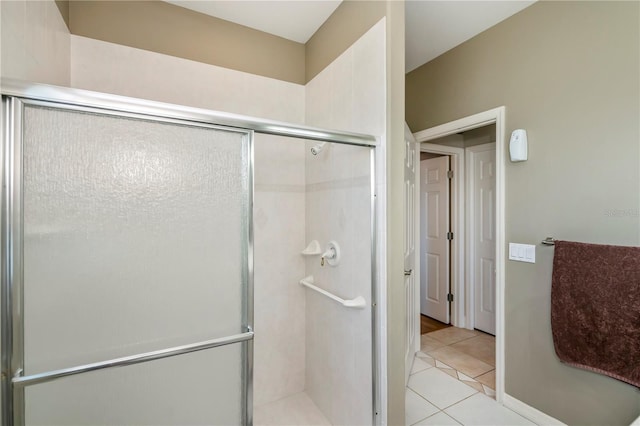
{"points": [[279, 359], [122, 70], [35, 42], [347, 95]]}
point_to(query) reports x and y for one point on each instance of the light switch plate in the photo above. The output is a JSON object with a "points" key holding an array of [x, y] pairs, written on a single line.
{"points": [[522, 252]]}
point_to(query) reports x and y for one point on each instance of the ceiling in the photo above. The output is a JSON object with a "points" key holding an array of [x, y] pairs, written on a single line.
{"points": [[295, 20], [432, 27]]}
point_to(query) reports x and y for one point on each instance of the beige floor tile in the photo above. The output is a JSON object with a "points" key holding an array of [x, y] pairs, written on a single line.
{"points": [[423, 355], [477, 386], [417, 408], [489, 392], [482, 347], [419, 365], [462, 362], [441, 364], [488, 379], [430, 361], [438, 419], [450, 372], [479, 409], [452, 335], [439, 388], [428, 344]]}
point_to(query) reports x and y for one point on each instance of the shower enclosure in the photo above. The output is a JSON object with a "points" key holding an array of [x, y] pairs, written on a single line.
{"points": [[138, 240]]}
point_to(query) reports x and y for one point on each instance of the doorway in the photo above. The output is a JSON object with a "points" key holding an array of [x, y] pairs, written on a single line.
{"points": [[436, 235], [465, 192]]}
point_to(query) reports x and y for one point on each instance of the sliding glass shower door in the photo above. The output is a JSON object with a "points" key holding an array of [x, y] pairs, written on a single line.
{"points": [[127, 268]]}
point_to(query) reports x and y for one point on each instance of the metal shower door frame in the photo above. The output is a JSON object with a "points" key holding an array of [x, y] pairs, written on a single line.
{"points": [[12, 284], [15, 95]]}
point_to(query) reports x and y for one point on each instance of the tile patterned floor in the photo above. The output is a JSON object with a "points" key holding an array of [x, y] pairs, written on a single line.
{"points": [[452, 382], [466, 355]]}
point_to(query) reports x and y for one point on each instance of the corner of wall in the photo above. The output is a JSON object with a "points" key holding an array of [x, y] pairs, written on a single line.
{"points": [[345, 25]]}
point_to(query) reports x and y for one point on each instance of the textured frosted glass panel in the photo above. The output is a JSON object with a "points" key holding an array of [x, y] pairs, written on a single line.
{"points": [[135, 235], [201, 388]]}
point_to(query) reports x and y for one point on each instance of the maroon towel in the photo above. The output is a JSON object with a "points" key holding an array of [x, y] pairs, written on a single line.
{"points": [[595, 308]]}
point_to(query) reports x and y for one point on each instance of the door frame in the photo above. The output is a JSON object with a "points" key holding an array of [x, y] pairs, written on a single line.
{"points": [[410, 139], [493, 116]]}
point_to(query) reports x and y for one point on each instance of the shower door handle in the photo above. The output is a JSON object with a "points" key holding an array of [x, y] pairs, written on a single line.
{"points": [[407, 273]]}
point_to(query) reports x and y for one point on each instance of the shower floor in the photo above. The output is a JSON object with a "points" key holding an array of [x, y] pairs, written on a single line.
{"points": [[297, 409]]}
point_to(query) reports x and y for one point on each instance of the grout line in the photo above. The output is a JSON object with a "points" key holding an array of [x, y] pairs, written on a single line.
{"points": [[458, 402]]}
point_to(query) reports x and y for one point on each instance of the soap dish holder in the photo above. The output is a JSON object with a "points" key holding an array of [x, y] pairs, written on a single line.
{"points": [[313, 249]]}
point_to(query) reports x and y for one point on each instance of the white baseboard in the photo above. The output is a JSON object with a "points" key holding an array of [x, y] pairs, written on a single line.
{"points": [[533, 414]]}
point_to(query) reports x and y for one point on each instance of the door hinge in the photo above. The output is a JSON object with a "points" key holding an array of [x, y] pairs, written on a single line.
{"points": [[449, 297], [450, 174], [449, 235]]}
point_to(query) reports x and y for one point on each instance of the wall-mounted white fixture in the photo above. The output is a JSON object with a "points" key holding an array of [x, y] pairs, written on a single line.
{"points": [[522, 252], [331, 254], [357, 303], [316, 149], [312, 249], [518, 145]]}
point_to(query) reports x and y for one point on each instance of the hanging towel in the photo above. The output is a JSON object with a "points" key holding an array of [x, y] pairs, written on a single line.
{"points": [[595, 308]]}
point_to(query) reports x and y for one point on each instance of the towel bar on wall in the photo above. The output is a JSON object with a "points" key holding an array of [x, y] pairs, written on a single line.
{"points": [[357, 303], [549, 241]]}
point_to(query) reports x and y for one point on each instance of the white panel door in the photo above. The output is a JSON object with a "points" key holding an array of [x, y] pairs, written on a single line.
{"points": [[409, 254], [434, 225], [482, 236]]}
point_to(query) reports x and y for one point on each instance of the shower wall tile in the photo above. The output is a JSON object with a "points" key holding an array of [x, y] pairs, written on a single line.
{"points": [[342, 84], [279, 164], [35, 42], [369, 85], [112, 68], [348, 95], [279, 236]]}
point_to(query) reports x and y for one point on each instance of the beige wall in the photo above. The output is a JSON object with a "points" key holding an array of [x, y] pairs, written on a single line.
{"points": [[34, 42], [165, 28], [345, 25], [63, 7], [568, 73]]}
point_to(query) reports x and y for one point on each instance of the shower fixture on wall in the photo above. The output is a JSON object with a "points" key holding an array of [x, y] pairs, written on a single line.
{"points": [[316, 149], [331, 255]]}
